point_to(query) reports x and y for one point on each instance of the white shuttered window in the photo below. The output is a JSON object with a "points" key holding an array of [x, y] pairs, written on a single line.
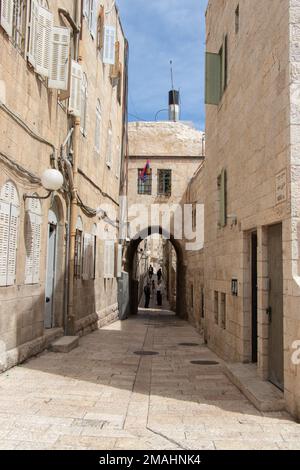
{"points": [[59, 71], [43, 47], [33, 223], [89, 250], [98, 127], [109, 45], [6, 17], [75, 98], [34, 15], [9, 220], [109, 259], [40, 40], [109, 148]]}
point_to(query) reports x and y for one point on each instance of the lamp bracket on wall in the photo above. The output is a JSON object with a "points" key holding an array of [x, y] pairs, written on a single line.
{"points": [[28, 196]]}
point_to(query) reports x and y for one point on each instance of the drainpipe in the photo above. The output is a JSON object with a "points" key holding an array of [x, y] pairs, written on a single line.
{"points": [[71, 320], [72, 229]]}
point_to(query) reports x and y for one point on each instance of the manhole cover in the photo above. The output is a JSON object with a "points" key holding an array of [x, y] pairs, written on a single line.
{"points": [[205, 363], [192, 345], [146, 353]]}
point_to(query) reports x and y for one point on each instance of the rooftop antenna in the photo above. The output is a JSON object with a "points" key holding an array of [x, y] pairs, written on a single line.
{"points": [[174, 108]]}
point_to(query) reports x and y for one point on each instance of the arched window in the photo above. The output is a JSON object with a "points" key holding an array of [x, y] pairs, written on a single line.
{"points": [[109, 146], [98, 127], [78, 248], [32, 232], [83, 105], [9, 221]]}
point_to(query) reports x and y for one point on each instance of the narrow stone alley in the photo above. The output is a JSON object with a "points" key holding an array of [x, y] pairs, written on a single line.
{"points": [[104, 395]]}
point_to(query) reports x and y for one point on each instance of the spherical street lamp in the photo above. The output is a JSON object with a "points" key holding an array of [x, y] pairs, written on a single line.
{"points": [[52, 180]]}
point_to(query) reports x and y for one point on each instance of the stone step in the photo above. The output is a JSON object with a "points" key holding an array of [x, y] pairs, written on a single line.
{"points": [[262, 394], [65, 344]]}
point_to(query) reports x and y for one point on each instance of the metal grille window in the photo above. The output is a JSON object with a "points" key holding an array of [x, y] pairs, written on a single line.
{"points": [[144, 185], [164, 182]]}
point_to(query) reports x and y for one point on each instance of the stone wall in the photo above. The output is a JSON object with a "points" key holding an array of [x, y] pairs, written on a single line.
{"points": [[27, 95], [253, 134]]}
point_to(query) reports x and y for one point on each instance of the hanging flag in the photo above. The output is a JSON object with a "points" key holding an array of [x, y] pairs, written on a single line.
{"points": [[145, 172]]}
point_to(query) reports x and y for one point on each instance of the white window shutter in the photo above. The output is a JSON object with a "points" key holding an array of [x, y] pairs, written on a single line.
{"points": [[6, 18], [43, 46], [59, 70], [85, 8], [109, 45], [75, 98], [109, 259], [29, 246], [37, 249], [34, 14], [12, 245], [109, 148], [93, 257], [86, 257], [94, 19], [4, 237], [98, 128], [119, 260]]}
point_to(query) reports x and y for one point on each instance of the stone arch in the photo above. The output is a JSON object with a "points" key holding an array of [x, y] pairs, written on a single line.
{"points": [[181, 268]]}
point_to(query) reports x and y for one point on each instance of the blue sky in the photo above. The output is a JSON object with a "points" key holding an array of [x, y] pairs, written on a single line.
{"points": [[158, 31]]}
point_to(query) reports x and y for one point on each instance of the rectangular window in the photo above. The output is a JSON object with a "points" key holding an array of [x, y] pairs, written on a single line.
{"points": [[237, 19], [164, 182], [222, 199], [194, 216], [144, 184], [216, 74], [109, 259], [216, 307], [223, 311], [78, 255], [202, 305]]}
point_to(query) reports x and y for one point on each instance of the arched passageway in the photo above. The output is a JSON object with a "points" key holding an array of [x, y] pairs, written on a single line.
{"points": [[181, 270]]}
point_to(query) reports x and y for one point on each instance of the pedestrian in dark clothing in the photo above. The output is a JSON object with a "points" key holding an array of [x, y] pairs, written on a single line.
{"points": [[147, 292], [159, 294], [150, 271], [159, 274]]}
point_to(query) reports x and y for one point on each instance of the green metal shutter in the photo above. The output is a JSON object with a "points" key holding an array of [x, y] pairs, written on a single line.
{"points": [[212, 78]]}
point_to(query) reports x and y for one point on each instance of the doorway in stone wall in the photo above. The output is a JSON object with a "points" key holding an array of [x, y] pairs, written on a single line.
{"points": [[254, 286], [275, 310]]}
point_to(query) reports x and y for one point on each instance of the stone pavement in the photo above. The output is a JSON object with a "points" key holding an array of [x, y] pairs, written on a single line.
{"points": [[103, 396]]}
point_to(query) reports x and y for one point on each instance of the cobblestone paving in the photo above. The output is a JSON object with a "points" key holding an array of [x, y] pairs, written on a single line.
{"points": [[103, 396]]}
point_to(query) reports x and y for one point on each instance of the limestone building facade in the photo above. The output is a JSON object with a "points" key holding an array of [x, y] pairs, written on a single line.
{"points": [[63, 79], [248, 272]]}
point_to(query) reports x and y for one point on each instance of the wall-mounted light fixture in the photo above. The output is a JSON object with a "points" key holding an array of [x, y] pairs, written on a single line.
{"points": [[52, 180]]}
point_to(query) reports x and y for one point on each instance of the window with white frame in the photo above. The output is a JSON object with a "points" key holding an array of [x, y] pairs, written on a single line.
{"points": [[89, 255], [109, 148], [83, 104], [109, 259], [78, 248], [9, 221], [32, 232], [90, 11], [98, 127]]}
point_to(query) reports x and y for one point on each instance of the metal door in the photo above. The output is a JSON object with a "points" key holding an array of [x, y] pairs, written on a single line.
{"points": [[51, 269], [275, 310]]}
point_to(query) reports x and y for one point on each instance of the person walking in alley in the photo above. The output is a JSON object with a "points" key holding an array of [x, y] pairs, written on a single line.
{"points": [[159, 274], [150, 272], [159, 293], [147, 292]]}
